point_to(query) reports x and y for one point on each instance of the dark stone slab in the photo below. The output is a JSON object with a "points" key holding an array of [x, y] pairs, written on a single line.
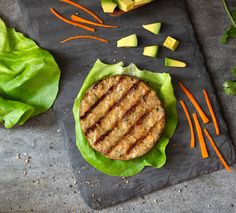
{"points": [[77, 57]]}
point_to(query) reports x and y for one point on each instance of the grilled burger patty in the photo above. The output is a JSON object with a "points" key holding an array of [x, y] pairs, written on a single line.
{"points": [[121, 117]]}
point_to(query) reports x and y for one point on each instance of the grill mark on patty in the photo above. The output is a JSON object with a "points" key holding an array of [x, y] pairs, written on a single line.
{"points": [[136, 143], [101, 98], [132, 109], [95, 86], [133, 116], [156, 130], [134, 87], [96, 91], [142, 130], [108, 101], [103, 136], [128, 132]]}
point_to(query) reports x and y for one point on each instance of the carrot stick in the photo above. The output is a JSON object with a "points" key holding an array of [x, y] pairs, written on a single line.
{"points": [[192, 143], [83, 8], [216, 150], [195, 103], [86, 37], [213, 116], [70, 22], [82, 20], [200, 136]]}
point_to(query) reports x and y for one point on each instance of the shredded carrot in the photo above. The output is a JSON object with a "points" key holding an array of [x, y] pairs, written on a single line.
{"points": [[213, 116], [195, 103], [83, 8], [216, 150], [86, 37], [82, 20], [70, 22], [200, 136], [192, 143]]}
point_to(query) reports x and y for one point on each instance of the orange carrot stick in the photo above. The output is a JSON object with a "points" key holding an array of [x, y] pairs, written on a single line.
{"points": [[200, 136], [213, 116], [82, 20], [71, 22], [83, 8], [216, 150], [192, 143], [86, 37], [195, 103]]}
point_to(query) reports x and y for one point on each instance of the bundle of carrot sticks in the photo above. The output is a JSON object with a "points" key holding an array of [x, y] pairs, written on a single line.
{"points": [[198, 127], [81, 22]]}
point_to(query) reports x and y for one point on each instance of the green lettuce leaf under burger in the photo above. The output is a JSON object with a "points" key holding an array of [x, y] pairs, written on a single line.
{"points": [[29, 78], [156, 157]]}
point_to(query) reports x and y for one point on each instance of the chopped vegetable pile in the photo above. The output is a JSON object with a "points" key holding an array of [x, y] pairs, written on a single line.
{"points": [[81, 22], [152, 50], [198, 127], [127, 41], [29, 78]]}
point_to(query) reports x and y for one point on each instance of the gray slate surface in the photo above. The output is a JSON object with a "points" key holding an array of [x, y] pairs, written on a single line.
{"points": [[198, 194]]}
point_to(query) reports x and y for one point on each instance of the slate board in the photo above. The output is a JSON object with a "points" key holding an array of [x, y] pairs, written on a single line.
{"points": [[77, 57]]}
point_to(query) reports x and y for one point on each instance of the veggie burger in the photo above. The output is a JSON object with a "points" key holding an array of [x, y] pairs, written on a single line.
{"points": [[122, 117]]}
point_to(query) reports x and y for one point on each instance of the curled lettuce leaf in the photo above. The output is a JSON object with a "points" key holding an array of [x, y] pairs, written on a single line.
{"points": [[161, 82], [29, 78]]}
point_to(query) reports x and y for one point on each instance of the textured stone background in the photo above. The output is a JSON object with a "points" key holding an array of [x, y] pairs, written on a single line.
{"points": [[49, 185]]}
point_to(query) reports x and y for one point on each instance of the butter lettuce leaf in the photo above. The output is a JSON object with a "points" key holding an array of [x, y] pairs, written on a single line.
{"points": [[161, 82], [29, 78]]}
